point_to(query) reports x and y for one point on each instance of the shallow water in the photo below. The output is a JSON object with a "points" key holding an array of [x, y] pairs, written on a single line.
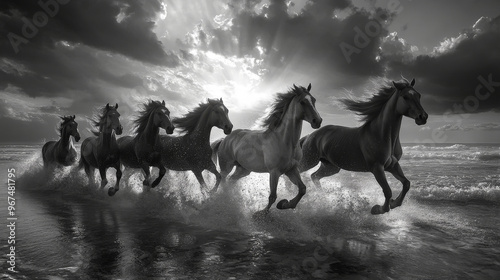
{"points": [[447, 228]]}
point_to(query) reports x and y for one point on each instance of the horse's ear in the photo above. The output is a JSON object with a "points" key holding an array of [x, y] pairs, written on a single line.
{"points": [[309, 87], [62, 117], [163, 103], [74, 116], [221, 100], [412, 82], [116, 106], [107, 106]]}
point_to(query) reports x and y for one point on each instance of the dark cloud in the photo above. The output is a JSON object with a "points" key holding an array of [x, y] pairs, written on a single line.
{"points": [[123, 27], [307, 43], [449, 77]]}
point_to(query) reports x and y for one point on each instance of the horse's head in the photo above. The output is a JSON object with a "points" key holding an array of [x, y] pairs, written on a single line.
{"points": [[307, 105], [219, 116], [408, 103], [70, 127], [161, 118], [112, 121]]}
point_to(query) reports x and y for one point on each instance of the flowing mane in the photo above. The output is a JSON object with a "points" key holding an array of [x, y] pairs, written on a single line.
{"points": [[369, 109], [279, 107], [141, 121], [65, 121], [98, 119], [189, 121]]}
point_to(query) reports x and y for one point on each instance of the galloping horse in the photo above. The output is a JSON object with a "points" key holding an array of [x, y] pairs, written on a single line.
{"points": [[101, 151], [192, 151], [62, 152], [275, 150], [143, 150], [373, 147]]}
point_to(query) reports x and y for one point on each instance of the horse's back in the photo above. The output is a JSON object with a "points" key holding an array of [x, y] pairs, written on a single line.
{"points": [[338, 145], [127, 153]]}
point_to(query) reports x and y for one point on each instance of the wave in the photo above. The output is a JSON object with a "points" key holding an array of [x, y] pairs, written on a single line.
{"points": [[458, 155]]}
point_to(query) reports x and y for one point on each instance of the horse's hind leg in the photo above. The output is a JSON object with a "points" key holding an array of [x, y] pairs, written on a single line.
{"points": [[201, 180], [239, 173], [326, 169], [90, 171], [397, 172]]}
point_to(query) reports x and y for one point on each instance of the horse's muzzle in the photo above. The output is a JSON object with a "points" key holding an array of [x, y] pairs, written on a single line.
{"points": [[119, 130], [170, 129], [228, 129], [77, 137], [421, 119], [316, 123]]}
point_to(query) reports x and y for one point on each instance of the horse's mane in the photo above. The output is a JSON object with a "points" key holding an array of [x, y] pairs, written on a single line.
{"points": [[369, 109], [65, 120], [189, 121], [278, 108], [141, 121], [98, 119]]}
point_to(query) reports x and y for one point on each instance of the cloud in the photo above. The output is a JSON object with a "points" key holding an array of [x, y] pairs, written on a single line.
{"points": [[461, 75], [395, 48], [305, 44], [124, 27]]}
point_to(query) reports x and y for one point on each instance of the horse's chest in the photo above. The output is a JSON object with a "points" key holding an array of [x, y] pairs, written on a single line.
{"points": [[67, 158]]}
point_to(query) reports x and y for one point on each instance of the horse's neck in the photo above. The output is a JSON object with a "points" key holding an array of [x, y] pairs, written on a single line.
{"points": [[151, 132], [65, 142], [290, 128], [106, 138], [201, 134], [388, 122]]}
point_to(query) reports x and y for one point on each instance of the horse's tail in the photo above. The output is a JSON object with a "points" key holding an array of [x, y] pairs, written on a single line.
{"points": [[215, 148]]}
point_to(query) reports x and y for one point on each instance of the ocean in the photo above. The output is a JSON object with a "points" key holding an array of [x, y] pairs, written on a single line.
{"points": [[447, 228]]}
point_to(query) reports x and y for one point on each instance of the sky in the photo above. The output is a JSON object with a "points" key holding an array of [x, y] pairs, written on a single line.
{"points": [[69, 57]]}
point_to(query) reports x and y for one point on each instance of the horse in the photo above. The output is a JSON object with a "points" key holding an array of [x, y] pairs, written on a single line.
{"points": [[192, 150], [101, 151], [62, 152], [374, 146], [274, 150], [143, 150]]}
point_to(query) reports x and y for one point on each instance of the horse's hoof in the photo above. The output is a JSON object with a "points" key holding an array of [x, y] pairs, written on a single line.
{"points": [[282, 204], [377, 210], [112, 191]]}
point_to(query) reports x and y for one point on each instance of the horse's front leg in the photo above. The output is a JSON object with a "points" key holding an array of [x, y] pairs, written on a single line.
{"points": [[397, 172], [163, 171], [113, 190], [379, 173], [104, 181], [147, 174], [211, 167], [294, 176], [199, 177]]}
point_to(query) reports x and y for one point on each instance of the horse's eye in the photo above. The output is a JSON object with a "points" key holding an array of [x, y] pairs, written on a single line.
{"points": [[302, 102]]}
